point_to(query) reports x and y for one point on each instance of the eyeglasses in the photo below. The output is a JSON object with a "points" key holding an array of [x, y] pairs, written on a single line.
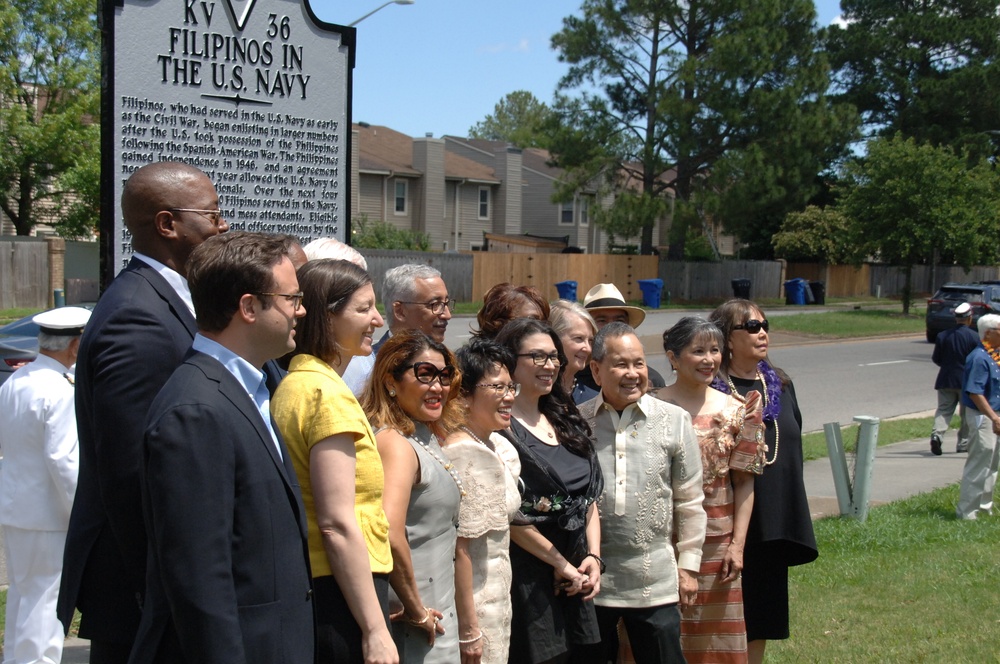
{"points": [[539, 358], [437, 307], [215, 216], [753, 326], [501, 389], [427, 373], [294, 298]]}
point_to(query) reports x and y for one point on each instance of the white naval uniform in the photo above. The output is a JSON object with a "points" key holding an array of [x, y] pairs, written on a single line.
{"points": [[37, 483]]}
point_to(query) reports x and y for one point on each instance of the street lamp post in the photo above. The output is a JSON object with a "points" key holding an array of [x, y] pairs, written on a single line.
{"points": [[380, 7]]}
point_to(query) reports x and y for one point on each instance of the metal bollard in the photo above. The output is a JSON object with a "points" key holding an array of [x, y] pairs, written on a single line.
{"points": [[852, 497]]}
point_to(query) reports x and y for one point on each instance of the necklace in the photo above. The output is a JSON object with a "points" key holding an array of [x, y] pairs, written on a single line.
{"points": [[475, 437], [450, 467], [535, 428], [994, 352], [742, 399]]}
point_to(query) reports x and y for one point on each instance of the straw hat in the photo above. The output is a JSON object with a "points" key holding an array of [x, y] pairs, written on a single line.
{"points": [[606, 296]]}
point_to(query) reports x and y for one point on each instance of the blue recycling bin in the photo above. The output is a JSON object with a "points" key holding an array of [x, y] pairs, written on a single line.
{"points": [[795, 291], [567, 290], [651, 290]]}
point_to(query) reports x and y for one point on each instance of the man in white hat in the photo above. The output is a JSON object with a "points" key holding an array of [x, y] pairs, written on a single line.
{"points": [[950, 350], [37, 484], [607, 305]]}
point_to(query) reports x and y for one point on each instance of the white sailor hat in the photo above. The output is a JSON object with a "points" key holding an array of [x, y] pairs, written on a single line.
{"points": [[62, 322], [963, 310]]}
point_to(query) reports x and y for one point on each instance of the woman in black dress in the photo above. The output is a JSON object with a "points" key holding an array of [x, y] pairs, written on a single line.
{"points": [[555, 554], [780, 534]]}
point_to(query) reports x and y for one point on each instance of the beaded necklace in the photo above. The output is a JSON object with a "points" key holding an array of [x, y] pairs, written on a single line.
{"points": [[994, 352], [770, 398], [450, 467], [475, 437]]}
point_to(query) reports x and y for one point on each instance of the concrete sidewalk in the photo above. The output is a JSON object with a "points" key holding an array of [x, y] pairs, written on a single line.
{"points": [[901, 470]]}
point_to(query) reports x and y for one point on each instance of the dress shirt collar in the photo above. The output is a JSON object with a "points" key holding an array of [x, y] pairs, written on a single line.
{"points": [[172, 277]]}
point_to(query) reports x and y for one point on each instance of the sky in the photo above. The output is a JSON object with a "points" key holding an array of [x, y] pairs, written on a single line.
{"points": [[440, 66]]}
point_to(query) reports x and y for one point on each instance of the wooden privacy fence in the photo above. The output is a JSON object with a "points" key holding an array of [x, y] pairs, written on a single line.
{"points": [[24, 273], [703, 281], [840, 280], [543, 271]]}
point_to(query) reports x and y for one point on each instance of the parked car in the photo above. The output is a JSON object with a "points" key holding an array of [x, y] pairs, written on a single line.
{"points": [[984, 297], [19, 344]]}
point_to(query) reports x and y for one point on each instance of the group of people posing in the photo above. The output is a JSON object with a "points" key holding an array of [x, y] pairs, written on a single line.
{"points": [[281, 481]]}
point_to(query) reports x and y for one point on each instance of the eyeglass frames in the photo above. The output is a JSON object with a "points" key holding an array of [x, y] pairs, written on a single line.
{"points": [[437, 307], [294, 298], [753, 326], [539, 358], [501, 389], [427, 373], [213, 215]]}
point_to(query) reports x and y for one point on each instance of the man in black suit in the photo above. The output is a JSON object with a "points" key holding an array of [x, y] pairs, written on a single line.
{"points": [[139, 332], [950, 350], [228, 577]]}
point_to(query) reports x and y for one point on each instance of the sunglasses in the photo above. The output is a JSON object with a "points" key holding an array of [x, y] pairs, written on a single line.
{"points": [[427, 373], [753, 326]]}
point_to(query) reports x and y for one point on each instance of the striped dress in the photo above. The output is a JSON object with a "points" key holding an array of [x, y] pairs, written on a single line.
{"points": [[713, 629]]}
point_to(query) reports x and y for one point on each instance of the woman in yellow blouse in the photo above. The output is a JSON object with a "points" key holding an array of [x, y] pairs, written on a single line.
{"points": [[338, 466]]}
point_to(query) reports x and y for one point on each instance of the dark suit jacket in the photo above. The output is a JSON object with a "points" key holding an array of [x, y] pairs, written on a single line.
{"points": [[950, 350], [136, 337], [228, 573]]}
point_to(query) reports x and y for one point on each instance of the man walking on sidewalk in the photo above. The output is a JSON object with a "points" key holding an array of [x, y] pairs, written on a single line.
{"points": [[981, 397], [950, 350]]}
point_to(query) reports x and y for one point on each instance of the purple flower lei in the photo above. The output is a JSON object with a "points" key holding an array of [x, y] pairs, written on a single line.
{"points": [[772, 385]]}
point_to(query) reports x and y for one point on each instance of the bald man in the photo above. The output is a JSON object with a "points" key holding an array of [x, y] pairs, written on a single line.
{"points": [[139, 333]]}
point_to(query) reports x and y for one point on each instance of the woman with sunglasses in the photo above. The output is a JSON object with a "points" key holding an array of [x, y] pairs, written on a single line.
{"points": [[409, 402], [332, 448], [730, 437], [488, 466], [780, 533], [556, 534]]}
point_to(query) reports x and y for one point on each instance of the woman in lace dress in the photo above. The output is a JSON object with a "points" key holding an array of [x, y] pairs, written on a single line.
{"points": [[488, 466], [730, 435], [409, 402]]}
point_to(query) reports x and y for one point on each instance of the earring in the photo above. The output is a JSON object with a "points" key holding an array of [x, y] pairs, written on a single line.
{"points": [[392, 393]]}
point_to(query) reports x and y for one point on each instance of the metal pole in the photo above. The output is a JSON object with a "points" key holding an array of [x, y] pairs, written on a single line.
{"points": [[838, 465], [864, 464]]}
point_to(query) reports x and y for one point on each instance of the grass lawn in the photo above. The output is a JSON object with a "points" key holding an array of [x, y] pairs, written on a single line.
{"points": [[10, 315], [911, 584], [850, 324]]}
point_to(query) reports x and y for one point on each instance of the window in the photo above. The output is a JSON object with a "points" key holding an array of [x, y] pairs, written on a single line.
{"points": [[400, 207], [566, 214], [585, 209], [484, 202]]}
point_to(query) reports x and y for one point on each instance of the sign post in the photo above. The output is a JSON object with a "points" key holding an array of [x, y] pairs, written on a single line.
{"points": [[257, 94]]}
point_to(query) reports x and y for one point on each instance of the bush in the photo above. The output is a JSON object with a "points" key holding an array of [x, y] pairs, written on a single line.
{"points": [[378, 234]]}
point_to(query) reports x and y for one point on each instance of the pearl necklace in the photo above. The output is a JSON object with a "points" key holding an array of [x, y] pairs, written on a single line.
{"points": [[475, 437], [742, 399], [450, 467]]}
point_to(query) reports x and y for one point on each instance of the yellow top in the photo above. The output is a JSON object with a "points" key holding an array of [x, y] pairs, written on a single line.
{"points": [[311, 404]]}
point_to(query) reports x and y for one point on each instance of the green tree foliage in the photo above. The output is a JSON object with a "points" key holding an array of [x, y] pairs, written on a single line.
{"points": [[815, 234], [929, 70], [704, 99], [377, 234], [906, 201], [518, 119], [48, 104]]}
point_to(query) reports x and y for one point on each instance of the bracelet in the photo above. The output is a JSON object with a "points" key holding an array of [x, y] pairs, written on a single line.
{"points": [[420, 623], [600, 561], [466, 642]]}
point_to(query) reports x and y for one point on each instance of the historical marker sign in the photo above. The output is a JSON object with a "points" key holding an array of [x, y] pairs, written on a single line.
{"points": [[257, 94]]}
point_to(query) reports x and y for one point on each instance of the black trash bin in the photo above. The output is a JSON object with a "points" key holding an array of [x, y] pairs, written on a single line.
{"points": [[818, 289], [741, 288]]}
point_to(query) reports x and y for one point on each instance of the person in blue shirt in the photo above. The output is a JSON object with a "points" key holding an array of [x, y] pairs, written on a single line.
{"points": [[981, 398], [950, 350]]}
